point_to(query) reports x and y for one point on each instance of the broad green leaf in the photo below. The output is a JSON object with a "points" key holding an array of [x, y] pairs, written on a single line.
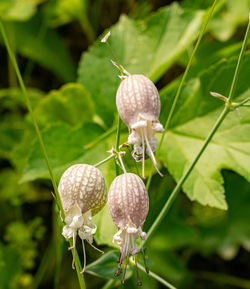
{"points": [[228, 15], [225, 232], [71, 104], [106, 266], [65, 147], [61, 12], [18, 10], [194, 117], [48, 50], [147, 46], [231, 15]]}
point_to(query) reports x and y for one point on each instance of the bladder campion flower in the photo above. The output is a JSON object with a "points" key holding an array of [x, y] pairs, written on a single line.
{"points": [[128, 206], [138, 104], [83, 193]]}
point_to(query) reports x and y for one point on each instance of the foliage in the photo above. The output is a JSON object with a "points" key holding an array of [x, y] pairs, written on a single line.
{"points": [[78, 119]]}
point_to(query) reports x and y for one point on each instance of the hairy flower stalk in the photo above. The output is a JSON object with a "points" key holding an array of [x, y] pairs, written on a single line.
{"points": [[128, 206], [138, 104], [83, 193]]}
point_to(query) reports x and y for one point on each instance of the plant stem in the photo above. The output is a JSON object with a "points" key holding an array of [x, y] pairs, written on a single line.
{"points": [[58, 200], [180, 87], [185, 73], [176, 190], [156, 277], [14, 63], [101, 138], [219, 121], [236, 73], [104, 161]]}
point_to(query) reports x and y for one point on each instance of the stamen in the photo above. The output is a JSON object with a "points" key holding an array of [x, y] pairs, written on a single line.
{"points": [[144, 258], [73, 247], [95, 247], [143, 155], [137, 273], [118, 271], [84, 258], [151, 154], [125, 269]]}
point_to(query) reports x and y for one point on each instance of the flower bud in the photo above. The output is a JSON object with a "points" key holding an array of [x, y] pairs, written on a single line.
{"points": [[83, 193], [138, 104], [128, 206]]}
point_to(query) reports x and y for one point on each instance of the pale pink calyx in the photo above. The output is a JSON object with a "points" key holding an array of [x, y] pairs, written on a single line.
{"points": [[128, 206], [138, 104], [83, 193]]}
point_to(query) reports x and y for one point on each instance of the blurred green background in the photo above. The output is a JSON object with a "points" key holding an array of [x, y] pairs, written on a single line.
{"points": [[204, 241]]}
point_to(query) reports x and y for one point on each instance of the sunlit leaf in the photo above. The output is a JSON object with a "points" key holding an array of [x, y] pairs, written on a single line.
{"points": [[147, 46], [194, 117]]}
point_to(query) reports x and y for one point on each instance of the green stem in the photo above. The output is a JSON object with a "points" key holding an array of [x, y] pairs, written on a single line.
{"points": [[156, 277], [224, 279], [185, 74], [23, 88], [117, 144], [175, 192], [101, 138], [104, 161], [87, 28], [123, 72], [236, 73], [180, 88], [14, 63]]}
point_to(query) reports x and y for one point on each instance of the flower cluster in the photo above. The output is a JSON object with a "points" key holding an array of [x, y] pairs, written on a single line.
{"points": [[82, 187]]}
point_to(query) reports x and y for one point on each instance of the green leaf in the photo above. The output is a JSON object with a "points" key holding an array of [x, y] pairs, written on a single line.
{"points": [[225, 233], [149, 47], [194, 117], [106, 266], [231, 15], [61, 12], [65, 147], [18, 10], [49, 50], [71, 104]]}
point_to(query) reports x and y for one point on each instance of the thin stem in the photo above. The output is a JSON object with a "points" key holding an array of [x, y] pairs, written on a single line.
{"points": [[78, 267], [180, 88], [115, 58], [122, 164], [14, 62], [236, 73], [104, 161], [23, 88], [242, 102], [87, 28], [100, 138], [185, 73], [224, 279], [118, 132], [176, 190], [156, 277]]}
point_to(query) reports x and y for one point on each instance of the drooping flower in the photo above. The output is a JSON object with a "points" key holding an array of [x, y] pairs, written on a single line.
{"points": [[128, 206], [83, 193], [138, 104]]}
